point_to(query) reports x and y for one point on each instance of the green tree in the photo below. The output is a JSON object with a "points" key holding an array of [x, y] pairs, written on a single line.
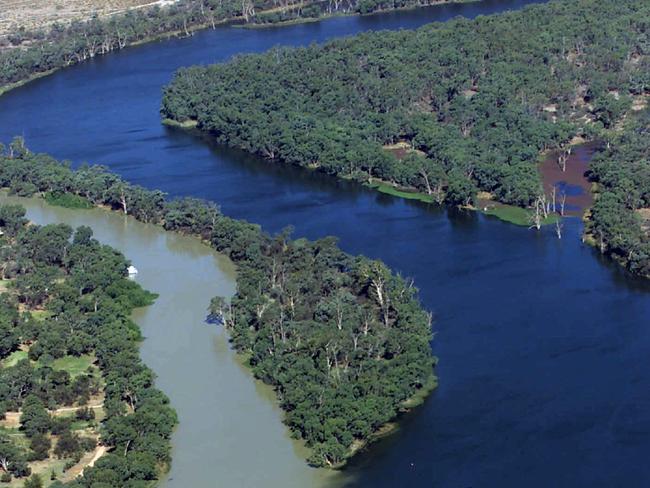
{"points": [[34, 418]]}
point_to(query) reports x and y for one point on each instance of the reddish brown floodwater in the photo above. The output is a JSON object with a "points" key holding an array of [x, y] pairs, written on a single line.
{"points": [[571, 182]]}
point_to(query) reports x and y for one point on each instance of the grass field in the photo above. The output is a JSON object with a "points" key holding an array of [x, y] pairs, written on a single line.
{"points": [[41, 314], [13, 358], [67, 200], [73, 364], [409, 195], [516, 215]]}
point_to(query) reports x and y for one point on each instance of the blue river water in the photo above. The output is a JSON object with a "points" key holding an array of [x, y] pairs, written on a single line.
{"points": [[542, 343]]}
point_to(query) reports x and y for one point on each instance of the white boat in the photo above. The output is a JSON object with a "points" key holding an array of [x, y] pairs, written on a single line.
{"points": [[132, 270]]}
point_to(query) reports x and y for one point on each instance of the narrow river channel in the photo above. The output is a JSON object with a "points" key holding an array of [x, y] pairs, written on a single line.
{"points": [[229, 421]]}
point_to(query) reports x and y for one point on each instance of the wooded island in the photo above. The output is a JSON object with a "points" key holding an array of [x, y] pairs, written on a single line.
{"points": [[447, 110]]}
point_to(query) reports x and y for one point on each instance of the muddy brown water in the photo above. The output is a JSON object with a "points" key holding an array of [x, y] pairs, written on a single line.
{"points": [[573, 182], [227, 419]]}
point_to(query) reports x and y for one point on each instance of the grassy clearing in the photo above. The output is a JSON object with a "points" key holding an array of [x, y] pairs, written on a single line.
{"points": [[67, 200], [13, 359], [409, 195], [516, 215], [44, 469], [73, 364], [41, 315]]}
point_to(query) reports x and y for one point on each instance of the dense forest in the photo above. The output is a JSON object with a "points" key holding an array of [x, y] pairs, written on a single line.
{"points": [[343, 340], [24, 54], [472, 103], [66, 340], [619, 222]]}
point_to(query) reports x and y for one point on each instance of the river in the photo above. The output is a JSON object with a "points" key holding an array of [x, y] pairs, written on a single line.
{"points": [[542, 344], [215, 396]]}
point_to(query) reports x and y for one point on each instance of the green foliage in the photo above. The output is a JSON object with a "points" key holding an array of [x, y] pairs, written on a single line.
{"points": [[12, 458], [409, 195], [36, 52], [343, 340], [89, 300], [34, 482], [68, 445], [344, 353], [67, 200], [479, 98], [34, 418], [622, 172], [12, 219], [517, 215], [9, 321], [40, 445]]}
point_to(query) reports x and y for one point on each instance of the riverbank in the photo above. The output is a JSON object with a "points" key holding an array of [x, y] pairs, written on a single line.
{"points": [[546, 364], [245, 361], [104, 215], [190, 29], [391, 427], [87, 407], [564, 178], [332, 15], [485, 204], [18, 84], [285, 292], [215, 441]]}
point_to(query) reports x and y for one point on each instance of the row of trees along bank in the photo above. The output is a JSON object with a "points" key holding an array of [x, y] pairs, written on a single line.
{"points": [[343, 340], [469, 104], [66, 301], [25, 54]]}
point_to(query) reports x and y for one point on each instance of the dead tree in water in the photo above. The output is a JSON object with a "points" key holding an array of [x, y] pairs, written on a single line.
{"points": [[540, 212], [553, 194], [562, 203], [558, 228], [561, 161]]}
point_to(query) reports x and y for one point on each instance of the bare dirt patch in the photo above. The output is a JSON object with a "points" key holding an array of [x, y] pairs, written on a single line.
{"points": [[644, 213], [640, 102], [87, 461], [401, 149], [35, 14]]}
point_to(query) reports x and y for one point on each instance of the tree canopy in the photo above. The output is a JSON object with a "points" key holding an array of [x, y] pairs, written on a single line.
{"points": [[344, 341], [25, 53], [449, 109], [478, 99], [619, 222], [80, 290]]}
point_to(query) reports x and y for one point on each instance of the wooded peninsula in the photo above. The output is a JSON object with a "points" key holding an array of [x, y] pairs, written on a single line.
{"points": [[471, 104], [343, 340]]}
